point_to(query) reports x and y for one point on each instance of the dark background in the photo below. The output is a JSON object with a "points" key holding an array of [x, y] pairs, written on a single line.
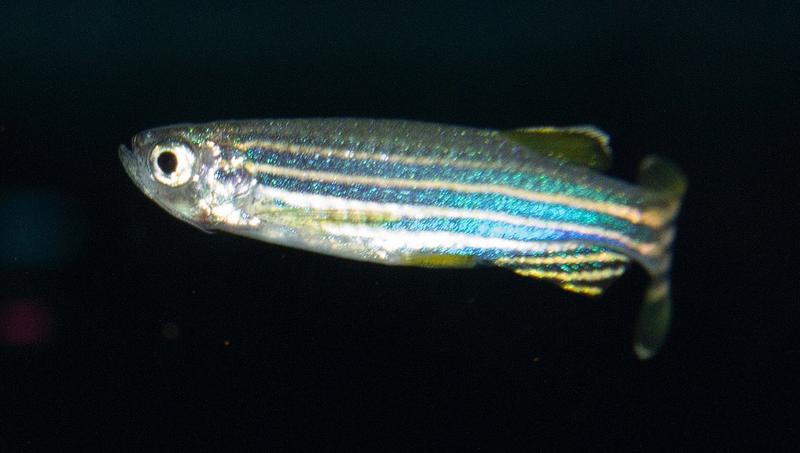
{"points": [[128, 330]]}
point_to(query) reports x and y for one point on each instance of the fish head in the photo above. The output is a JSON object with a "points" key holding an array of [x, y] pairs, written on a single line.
{"points": [[178, 168]]}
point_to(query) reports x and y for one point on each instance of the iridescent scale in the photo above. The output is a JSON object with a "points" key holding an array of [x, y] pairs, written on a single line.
{"points": [[397, 192], [408, 193]]}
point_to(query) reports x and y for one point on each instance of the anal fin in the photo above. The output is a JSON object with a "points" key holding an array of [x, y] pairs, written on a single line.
{"points": [[587, 271]]}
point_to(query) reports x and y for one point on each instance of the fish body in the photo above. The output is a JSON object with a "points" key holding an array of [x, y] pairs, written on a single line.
{"points": [[410, 193]]}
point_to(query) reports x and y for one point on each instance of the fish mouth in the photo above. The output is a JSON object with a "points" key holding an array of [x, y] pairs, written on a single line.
{"points": [[138, 170], [130, 163]]}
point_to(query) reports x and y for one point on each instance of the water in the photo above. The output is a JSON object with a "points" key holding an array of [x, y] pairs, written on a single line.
{"points": [[122, 326]]}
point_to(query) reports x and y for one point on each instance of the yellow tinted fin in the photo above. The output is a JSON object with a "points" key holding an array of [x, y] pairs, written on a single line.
{"points": [[664, 186], [662, 178], [584, 270], [580, 145], [439, 260], [652, 324]]}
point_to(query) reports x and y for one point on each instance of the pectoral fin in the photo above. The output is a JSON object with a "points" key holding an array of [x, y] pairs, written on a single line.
{"points": [[581, 145], [439, 260]]}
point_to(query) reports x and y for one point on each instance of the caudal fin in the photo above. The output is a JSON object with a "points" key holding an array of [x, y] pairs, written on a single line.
{"points": [[665, 186]]}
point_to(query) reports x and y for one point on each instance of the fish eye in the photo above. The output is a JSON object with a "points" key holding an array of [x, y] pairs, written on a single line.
{"points": [[167, 162], [172, 163]]}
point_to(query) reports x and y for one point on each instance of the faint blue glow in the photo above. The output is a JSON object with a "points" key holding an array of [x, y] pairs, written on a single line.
{"points": [[38, 229]]}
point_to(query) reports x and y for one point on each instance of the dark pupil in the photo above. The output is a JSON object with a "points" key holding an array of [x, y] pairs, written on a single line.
{"points": [[167, 162]]}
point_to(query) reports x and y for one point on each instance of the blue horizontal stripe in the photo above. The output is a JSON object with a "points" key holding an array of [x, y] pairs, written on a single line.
{"points": [[450, 199], [540, 182], [483, 228]]}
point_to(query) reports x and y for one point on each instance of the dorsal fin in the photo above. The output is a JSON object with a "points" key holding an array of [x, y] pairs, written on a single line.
{"points": [[580, 145]]}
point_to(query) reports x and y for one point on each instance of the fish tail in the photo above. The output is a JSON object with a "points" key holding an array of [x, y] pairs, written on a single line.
{"points": [[664, 186]]}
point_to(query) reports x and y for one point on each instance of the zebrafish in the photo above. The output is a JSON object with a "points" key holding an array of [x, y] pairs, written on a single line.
{"points": [[533, 200]]}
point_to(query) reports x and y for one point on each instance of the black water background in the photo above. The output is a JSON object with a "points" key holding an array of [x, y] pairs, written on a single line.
{"points": [[284, 349]]}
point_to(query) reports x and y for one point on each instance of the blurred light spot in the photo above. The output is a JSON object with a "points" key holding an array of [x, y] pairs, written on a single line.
{"points": [[226, 343], [25, 322], [38, 228], [170, 330]]}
